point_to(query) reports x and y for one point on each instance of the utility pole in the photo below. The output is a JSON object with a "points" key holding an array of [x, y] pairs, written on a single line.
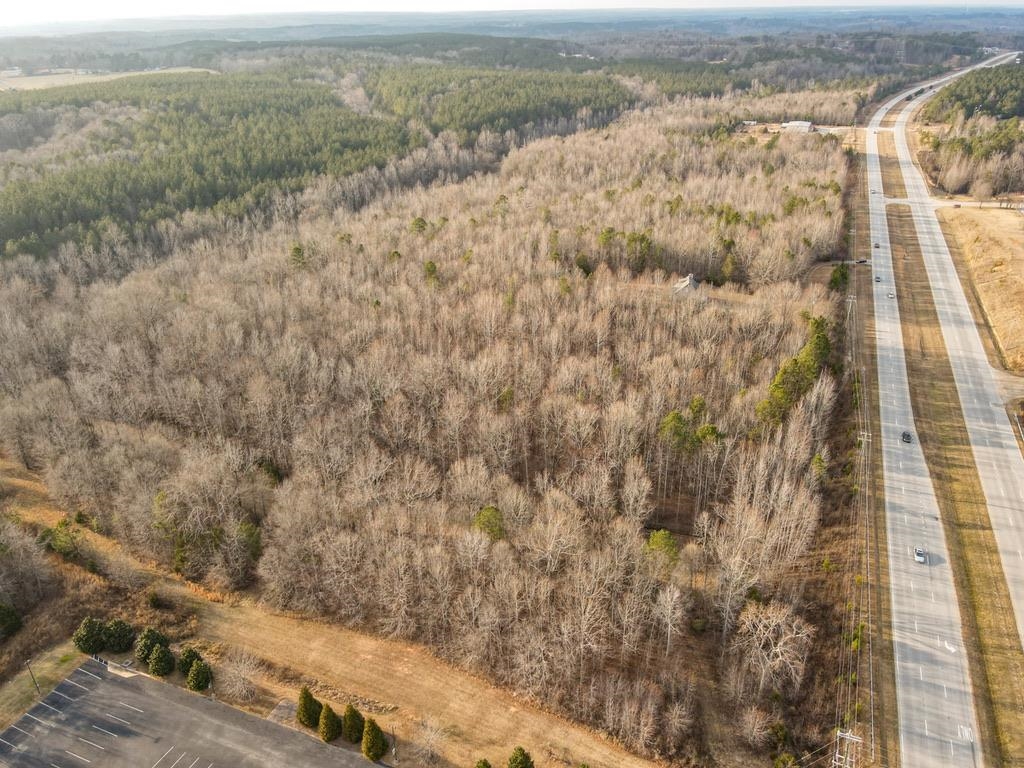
{"points": [[32, 675], [845, 755]]}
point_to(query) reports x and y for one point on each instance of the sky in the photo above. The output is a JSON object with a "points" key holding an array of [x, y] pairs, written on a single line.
{"points": [[26, 12]]}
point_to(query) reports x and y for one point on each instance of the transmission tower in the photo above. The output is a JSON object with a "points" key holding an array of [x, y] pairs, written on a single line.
{"points": [[847, 745]]}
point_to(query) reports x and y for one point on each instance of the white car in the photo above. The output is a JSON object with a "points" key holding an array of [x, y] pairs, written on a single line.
{"points": [[892, 295], [920, 555]]}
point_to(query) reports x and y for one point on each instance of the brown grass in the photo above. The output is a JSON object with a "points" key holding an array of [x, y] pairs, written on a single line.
{"points": [[994, 651], [990, 242], [892, 179], [38, 82]]}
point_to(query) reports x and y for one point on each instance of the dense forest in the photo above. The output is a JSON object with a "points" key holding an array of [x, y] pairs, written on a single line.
{"points": [[441, 415], [980, 149]]}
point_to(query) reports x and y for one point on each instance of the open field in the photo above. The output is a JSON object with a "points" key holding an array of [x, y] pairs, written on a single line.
{"points": [[408, 686], [991, 243], [122, 720], [997, 669], [37, 82]]}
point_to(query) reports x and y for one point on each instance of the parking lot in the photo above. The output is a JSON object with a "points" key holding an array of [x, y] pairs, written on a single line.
{"points": [[108, 718]]}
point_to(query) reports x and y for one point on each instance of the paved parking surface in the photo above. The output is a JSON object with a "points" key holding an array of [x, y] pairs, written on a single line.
{"points": [[103, 718]]}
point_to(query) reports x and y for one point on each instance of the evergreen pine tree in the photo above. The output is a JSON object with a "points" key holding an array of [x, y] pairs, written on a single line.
{"points": [[199, 676], [88, 638], [352, 725], [330, 724], [161, 661], [118, 636], [308, 711], [374, 744], [520, 759], [188, 657], [145, 642]]}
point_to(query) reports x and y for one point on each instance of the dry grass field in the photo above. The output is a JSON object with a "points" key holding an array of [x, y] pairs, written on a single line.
{"points": [[991, 241], [37, 82]]}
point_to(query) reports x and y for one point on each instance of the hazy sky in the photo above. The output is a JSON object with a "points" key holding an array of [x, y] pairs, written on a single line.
{"points": [[20, 12]]}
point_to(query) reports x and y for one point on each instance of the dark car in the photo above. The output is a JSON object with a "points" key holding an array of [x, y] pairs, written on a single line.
{"points": [[877, 245], [907, 437]]}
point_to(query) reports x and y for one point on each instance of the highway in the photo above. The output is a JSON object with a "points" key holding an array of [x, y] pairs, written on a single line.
{"points": [[937, 721]]}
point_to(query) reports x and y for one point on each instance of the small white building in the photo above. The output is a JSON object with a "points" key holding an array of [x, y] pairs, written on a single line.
{"points": [[798, 126]]}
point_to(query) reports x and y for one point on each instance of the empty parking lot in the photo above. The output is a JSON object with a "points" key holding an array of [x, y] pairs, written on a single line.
{"points": [[106, 718]]}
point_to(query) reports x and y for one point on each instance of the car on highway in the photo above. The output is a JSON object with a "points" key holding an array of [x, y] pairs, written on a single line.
{"points": [[878, 279], [862, 261], [920, 555], [907, 437], [877, 245]]}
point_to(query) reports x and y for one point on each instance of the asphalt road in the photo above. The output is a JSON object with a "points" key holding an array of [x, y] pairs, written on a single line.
{"points": [[937, 721], [993, 440], [98, 719]]}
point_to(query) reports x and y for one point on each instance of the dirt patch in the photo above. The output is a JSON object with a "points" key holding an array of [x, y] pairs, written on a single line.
{"points": [[990, 636], [991, 243]]}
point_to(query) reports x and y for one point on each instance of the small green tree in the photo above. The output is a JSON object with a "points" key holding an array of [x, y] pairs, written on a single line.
{"points": [[352, 725], [430, 271], [10, 621], [161, 661], [88, 638], [188, 657], [330, 724], [490, 521], [662, 543], [520, 759], [118, 636], [199, 676], [147, 641], [482, 764], [374, 743], [418, 225], [308, 711]]}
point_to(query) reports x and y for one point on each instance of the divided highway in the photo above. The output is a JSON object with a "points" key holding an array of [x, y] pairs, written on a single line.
{"points": [[937, 721]]}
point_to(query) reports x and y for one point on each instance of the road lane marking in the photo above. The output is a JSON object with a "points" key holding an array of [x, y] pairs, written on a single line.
{"points": [[103, 730], [131, 707], [165, 754], [115, 717]]}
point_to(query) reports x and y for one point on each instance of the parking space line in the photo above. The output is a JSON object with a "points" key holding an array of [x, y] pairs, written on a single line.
{"points": [[19, 729], [44, 722], [165, 754], [180, 758], [194, 763], [103, 730], [63, 695], [131, 707], [77, 685], [54, 765], [12, 746], [83, 759], [115, 717], [91, 743], [49, 707], [90, 674]]}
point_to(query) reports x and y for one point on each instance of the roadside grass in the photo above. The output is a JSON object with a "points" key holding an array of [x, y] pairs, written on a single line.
{"points": [[990, 636], [49, 667], [892, 179]]}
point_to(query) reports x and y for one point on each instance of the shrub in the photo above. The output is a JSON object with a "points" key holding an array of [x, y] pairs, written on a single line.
{"points": [[10, 621], [188, 657], [330, 724], [199, 676], [88, 638], [374, 743], [161, 661], [118, 636], [520, 759], [491, 522], [147, 641], [308, 711], [352, 724], [482, 764]]}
